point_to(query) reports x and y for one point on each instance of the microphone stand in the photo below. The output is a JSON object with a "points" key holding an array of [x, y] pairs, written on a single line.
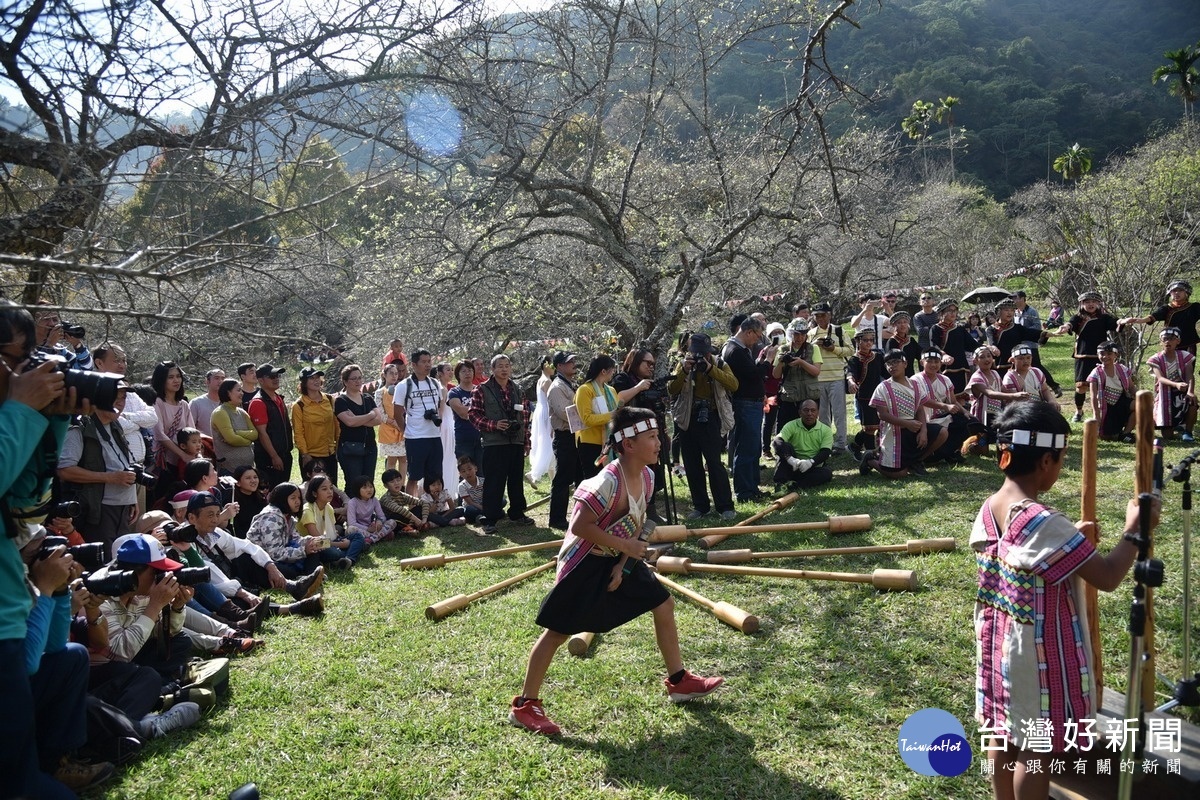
{"points": [[1187, 690], [1147, 573]]}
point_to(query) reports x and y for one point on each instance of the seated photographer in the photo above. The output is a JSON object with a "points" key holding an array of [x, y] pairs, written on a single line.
{"points": [[144, 607], [242, 558], [802, 447], [209, 599], [58, 669], [97, 468]]}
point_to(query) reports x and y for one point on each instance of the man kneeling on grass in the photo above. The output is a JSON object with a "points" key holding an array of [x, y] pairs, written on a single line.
{"points": [[602, 582]]}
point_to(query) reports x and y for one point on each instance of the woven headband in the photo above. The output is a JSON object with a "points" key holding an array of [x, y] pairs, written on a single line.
{"points": [[641, 426], [1055, 441]]}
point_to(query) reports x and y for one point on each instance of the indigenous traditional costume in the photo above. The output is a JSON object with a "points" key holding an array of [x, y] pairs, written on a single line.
{"points": [[984, 408], [1031, 382], [1090, 332], [1034, 659], [1115, 393], [955, 341], [897, 446], [867, 372], [941, 390], [580, 600], [1170, 404]]}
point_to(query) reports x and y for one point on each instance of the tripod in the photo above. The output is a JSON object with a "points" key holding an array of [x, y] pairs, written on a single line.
{"points": [[1147, 573], [1187, 690]]}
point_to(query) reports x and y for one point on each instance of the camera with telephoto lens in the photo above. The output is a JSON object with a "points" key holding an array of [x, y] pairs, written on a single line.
{"points": [[187, 576], [654, 398], [111, 583], [73, 329], [141, 476], [100, 388], [432, 415], [66, 508], [90, 555]]}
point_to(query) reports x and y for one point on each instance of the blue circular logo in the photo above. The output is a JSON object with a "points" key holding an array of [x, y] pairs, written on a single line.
{"points": [[933, 742]]}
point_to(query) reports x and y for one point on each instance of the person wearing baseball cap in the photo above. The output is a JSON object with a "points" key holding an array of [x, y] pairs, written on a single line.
{"points": [[1179, 312], [269, 413], [831, 353], [1174, 371], [796, 369], [1092, 326]]}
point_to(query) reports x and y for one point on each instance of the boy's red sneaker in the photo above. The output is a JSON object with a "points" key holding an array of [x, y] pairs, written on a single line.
{"points": [[691, 686], [530, 716]]}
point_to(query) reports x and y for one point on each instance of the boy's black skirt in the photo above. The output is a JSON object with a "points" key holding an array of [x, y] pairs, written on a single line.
{"points": [[581, 601]]}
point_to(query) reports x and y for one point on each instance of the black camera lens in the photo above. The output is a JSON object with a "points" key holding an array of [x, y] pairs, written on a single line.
{"points": [[73, 329], [190, 576], [113, 583], [100, 388], [67, 508]]}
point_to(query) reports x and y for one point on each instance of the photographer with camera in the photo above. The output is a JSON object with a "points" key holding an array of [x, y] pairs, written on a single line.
{"points": [[703, 413], [500, 412], [62, 339], [831, 353], [97, 469], [796, 370], [637, 382], [419, 408]]}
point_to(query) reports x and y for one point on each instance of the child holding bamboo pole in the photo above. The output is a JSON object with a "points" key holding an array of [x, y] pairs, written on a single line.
{"points": [[601, 581], [1034, 667]]}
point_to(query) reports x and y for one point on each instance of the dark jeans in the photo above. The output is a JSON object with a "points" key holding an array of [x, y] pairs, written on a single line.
{"points": [[132, 688], [358, 466], [566, 477], [290, 569], [701, 445], [60, 702], [169, 661], [504, 465], [271, 477], [19, 773], [815, 476], [357, 544], [588, 453], [114, 522], [472, 448], [745, 441]]}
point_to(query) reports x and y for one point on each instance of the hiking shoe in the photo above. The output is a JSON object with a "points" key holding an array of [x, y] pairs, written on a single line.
{"points": [[177, 717], [489, 530], [234, 645], [1078, 417], [523, 520], [202, 696], [79, 775], [728, 515], [691, 686], [343, 563], [307, 585], [694, 514], [530, 716], [308, 607]]}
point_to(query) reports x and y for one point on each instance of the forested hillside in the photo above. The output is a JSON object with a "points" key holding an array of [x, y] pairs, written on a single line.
{"points": [[1032, 76]]}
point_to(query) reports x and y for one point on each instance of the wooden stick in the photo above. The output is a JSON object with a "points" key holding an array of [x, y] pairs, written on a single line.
{"points": [[731, 615], [441, 559], [679, 533], [912, 547], [541, 501], [1143, 481], [1087, 513], [578, 644], [439, 610], [889, 579], [776, 505]]}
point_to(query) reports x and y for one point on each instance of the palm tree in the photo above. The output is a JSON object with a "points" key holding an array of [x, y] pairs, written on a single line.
{"points": [[916, 125], [945, 111], [1183, 67], [1075, 163]]}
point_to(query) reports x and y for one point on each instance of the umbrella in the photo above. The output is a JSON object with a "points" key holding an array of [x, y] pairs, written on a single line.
{"points": [[986, 294]]}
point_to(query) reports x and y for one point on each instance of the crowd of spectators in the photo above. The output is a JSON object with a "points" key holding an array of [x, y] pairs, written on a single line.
{"points": [[184, 516]]}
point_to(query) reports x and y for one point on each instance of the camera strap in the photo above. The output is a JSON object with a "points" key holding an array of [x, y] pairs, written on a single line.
{"points": [[114, 438]]}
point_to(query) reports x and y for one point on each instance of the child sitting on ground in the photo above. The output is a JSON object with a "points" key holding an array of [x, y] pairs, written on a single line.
{"points": [[437, 506], [470, 491], [398, 504], [365, 515]]}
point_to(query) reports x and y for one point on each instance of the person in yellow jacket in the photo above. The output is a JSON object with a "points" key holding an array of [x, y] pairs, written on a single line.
{"points": [[596, 400], [314, 425]]}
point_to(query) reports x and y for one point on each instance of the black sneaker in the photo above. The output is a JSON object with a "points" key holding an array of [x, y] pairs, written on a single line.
{"points": [[917, 468], [308, 585]]}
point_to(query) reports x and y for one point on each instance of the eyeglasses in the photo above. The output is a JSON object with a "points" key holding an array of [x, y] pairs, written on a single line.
{"points": [[649, 361]]}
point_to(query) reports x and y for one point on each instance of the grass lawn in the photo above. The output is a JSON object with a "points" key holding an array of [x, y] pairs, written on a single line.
{"points": [[375, 700]]}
